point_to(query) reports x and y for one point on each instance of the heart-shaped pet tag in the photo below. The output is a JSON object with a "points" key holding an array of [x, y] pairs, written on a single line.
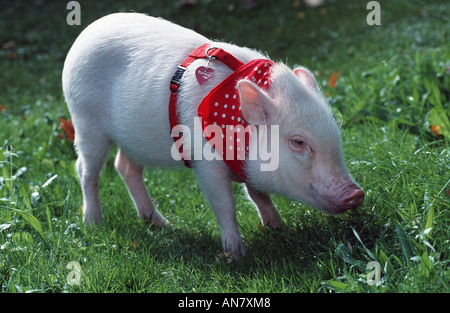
{"points": [[203, 74]]}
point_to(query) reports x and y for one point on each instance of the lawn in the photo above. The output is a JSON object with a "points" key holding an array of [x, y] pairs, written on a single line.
{"points": [[389, 86]]}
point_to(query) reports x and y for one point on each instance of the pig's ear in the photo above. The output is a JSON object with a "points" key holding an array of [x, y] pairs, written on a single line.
{"points": [[257, 107], [306, 77]]}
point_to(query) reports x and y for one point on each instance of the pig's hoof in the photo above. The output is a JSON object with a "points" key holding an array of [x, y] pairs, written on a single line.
{"points": [[274, 223], [266, 228], [235, 246], [158, 222], [166, 223], [155, 219], [92, 219], [271, 218]]}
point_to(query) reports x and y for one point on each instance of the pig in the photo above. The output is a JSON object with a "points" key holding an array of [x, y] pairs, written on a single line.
{"points": [[116, 84]]}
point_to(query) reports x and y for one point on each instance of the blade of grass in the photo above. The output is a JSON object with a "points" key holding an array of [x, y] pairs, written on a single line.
{"points": [[405, 244], [32, 220], [344, 253], [372, 256]]}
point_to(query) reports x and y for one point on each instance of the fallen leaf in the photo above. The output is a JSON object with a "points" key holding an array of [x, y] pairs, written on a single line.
{"points": [[133, 245], [333, 79], [8, 45], [261, 227], [435, 129], [301, 14], [12, 56], [2, 108], [68, 129]]}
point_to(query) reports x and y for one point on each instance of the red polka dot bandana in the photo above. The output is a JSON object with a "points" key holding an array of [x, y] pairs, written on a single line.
{"points": [[221, 114]]}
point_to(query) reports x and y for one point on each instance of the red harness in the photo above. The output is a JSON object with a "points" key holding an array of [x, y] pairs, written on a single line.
{"points": [[220, 110]]}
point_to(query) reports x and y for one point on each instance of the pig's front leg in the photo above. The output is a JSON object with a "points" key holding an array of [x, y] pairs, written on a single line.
{"points": [[267, 210], [216, 184]]}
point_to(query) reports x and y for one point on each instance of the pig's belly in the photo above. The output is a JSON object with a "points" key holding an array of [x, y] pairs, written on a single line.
{"points": [[150, 151], [144, 135]]}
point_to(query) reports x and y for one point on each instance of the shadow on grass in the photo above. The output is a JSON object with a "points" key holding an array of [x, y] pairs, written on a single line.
{"points": [[199, 243]]}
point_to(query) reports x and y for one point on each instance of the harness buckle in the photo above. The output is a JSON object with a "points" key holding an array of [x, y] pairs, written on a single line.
{"points": [[175, 82]]}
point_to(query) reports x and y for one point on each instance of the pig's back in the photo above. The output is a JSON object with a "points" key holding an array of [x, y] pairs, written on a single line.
{"points": [[116, 81]]}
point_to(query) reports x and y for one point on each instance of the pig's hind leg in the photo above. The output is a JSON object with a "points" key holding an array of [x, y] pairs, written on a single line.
{"points": [[267, 210], [92, 153], [132, 174]]}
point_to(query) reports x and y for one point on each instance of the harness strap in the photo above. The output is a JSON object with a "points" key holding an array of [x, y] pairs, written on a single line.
{"points": [[204, 51]]}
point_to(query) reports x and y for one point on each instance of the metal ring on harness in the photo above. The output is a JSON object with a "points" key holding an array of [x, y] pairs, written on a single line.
{"points": [[209, 56]]}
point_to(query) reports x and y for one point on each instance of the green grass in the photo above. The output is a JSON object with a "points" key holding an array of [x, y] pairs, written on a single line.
{"points": [[394, 84]]}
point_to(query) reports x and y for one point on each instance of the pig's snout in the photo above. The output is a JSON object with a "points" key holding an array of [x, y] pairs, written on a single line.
{"points": [[354, 199], [337, 202]]}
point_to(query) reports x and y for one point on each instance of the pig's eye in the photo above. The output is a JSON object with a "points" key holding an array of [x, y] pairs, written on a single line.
{"points": [[298, 144]]}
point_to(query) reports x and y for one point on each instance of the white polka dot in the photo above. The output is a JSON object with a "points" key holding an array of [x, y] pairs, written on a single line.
{"points": [[232, 118], [256, 68], [234, 97], [225, 106], [238, 129], [246, 148], [223, 126], [238, 119], [231, 138], [227, 96], [259, 71], [233, 106], [215, 113], [231, 127], [231, 147], [240, 108], [223, 136], [224, 115], [216, 104], [215, 123], [238, 140]]}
